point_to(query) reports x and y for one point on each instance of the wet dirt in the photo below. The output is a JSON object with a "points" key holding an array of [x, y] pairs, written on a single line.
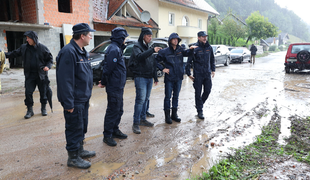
{"points": [[241, 102]]}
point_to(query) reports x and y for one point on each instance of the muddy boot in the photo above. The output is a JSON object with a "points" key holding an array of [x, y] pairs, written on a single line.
{"points": [[167, 117], [84, 153], [174, 115], [200, 115], [29, 113], [43, 110], [74, 160]]}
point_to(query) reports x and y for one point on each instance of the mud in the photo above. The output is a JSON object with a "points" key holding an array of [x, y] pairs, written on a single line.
{"points": [[241, 102]]}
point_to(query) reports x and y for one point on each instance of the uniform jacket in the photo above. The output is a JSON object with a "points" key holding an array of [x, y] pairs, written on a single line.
{"points": [[114, 68], [203, 60], [43, 55], [173, 59], [253, 50], [74, 75], [145, 62]]}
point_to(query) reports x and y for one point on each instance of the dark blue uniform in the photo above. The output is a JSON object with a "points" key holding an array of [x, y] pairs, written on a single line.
{"points": [[203, 61], [74, 88], [114, 78], [173, 60]]}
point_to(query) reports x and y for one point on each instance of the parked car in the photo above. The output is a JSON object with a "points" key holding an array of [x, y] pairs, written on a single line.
{"points": [[240, 54], [97, 56], [221, 54], [297, 57]]}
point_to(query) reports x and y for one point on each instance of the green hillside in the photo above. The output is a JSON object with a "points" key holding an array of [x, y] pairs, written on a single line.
{"points": [[287, 21]]}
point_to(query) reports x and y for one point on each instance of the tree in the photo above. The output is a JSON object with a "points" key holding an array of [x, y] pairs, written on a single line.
{"points": [[260, 27], [233, 29], [213, 28]]}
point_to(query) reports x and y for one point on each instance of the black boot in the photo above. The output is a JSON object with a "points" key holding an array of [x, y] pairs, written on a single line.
{"points": [[43, 110], [109, 141], [74, 160], [29, 113], [84, 153], [174, 115], [200, 115], [167, 117]]}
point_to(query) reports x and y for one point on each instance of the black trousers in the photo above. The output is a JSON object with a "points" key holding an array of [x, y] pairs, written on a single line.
{"points": [[201, 97], [113, 113], [76, 125], [31, 83]]}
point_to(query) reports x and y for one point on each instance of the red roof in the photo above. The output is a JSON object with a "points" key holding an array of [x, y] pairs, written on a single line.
{"points": [[102, 14]]}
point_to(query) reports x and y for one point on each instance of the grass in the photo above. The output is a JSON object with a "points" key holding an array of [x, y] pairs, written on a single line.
{"points": [[252, 160]]}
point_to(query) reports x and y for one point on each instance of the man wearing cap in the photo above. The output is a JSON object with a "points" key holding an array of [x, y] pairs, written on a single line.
{"points": [[144, 70], [37, 62], [114, 79], [172, 57], [74, 87], [204, 69]]}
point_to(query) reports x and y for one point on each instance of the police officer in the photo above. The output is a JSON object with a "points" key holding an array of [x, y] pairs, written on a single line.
{"points": [[172, 57], [37, 62], [204, 68], [114, 79], [74, 87], [144, 71]]}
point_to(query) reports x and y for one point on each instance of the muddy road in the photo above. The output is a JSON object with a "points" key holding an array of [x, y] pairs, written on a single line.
{"points": [[241, 102]]}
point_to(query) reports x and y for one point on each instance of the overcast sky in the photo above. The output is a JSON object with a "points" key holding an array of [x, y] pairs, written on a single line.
{"points": [[300, 7]]}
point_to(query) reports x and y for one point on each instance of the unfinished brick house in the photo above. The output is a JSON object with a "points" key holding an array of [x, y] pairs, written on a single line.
{"points": [[53, 19]]}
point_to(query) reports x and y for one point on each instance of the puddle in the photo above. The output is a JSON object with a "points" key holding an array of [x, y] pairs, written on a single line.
{"points": [[101, 169]]}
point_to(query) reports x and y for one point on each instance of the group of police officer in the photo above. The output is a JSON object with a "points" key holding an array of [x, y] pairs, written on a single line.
{"points": [[75, 81]]}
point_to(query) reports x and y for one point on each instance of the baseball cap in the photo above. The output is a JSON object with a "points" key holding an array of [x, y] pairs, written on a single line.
{"points": [[82, 27]]}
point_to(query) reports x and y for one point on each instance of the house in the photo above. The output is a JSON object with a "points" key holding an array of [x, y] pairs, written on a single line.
{"points": [[48, 18], [109, 14], [185, 17], [53, 21], [282, 39]]}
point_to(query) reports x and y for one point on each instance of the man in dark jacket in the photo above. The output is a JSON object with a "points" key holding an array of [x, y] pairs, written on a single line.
{"points": [[172, 57], [253, 50], [204, 68], [114, 79], [74, 87], [37, 62], [144, 71]]}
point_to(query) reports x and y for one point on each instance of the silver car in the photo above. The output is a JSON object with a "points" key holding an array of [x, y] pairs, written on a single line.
{"points": [[221, 54]]}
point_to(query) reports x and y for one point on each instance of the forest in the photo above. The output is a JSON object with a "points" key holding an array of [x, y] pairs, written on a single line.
{"points": [[286, 20]]}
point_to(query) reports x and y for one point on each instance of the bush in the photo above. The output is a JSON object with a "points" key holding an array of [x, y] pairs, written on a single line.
{"points": [[273, 48]]}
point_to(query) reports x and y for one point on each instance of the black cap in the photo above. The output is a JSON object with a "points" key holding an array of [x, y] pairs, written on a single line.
{"points": [[202, 33], [82, 27]]}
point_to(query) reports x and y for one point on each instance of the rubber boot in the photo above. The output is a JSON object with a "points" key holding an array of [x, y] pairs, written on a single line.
{"points": [[29, 113], [167, 117], [84, 153], [43, 110], [174, 115], [200, 115], [74, 160]]}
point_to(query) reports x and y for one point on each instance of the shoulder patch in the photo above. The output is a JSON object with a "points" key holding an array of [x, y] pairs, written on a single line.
{"points": [[115, 60]]}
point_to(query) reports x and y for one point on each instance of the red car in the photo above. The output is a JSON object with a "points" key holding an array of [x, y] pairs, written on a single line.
{"points": [[297, 57]]}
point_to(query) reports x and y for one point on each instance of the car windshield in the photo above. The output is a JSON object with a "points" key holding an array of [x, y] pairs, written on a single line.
{"points": [[128, 50], [214, 48], [297, 48], [101, 48], [236, 51]]}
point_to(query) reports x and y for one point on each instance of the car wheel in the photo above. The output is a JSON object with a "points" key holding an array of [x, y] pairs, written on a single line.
{"points": [[287, 70], [241, 60], [160, 73], [303, 56], [227, 62]]}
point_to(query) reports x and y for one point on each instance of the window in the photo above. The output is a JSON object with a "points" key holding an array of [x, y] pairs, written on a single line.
{"points": [[185, 21], [64, 6], [199, 23], [171, 19]]}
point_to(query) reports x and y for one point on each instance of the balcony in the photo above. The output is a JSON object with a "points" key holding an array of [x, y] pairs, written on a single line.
{"points": [[188, 31]]}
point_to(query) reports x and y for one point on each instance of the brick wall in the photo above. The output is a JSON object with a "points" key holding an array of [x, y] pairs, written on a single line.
{"points": [[29, 11], [79, 13]]}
